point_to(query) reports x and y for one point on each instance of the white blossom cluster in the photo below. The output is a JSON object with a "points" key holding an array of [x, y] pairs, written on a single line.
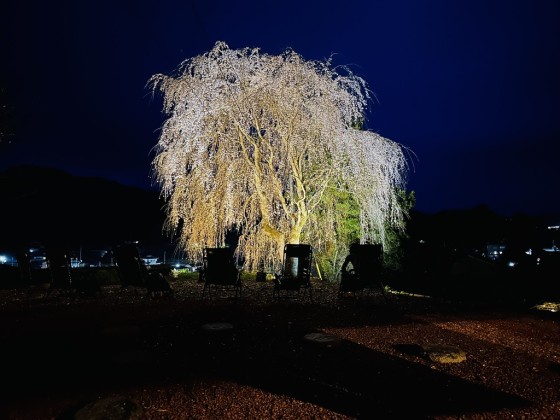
{"points": [[254, 142]]}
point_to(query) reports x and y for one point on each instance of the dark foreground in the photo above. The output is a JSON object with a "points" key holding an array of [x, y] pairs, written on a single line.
{"points": [[157, 359]]}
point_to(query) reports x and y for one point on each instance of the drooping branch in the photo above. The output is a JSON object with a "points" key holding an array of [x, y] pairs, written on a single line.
{"points": [[254, 142]]}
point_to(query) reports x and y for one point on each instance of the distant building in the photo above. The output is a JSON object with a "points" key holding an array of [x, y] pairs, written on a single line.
{"points": [[494, 251], [8, 259], [554, 238], [150, 260]]}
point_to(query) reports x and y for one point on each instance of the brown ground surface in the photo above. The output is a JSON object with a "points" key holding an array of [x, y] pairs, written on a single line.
{"points": [[59, 355]]}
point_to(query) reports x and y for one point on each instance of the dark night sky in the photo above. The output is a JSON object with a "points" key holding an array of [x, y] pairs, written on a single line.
{"points": [[471, 87]]}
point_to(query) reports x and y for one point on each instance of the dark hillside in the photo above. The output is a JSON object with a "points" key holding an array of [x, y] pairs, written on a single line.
{"points": [[53, 207], [470, 229]]}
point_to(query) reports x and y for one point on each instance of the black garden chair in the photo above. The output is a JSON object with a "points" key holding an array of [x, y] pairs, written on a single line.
{"points": [[296, 272], [134, 274], [59, 265], [362, 270], [219, 271]]}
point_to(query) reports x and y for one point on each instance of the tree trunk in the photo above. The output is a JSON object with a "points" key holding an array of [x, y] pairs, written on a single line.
{"points": [[294, 236], [292, 264]]}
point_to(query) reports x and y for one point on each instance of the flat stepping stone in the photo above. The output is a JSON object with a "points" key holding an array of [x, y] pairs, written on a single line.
{"points": [[113, 408], [321, 338], [441, 353], [217, 326]]}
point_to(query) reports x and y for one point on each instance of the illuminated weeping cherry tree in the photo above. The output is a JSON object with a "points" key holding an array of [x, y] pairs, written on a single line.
{"points": [[259, 143]]}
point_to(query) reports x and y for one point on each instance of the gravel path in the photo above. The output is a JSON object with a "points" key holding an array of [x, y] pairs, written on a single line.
{"points": [[188, 357]]}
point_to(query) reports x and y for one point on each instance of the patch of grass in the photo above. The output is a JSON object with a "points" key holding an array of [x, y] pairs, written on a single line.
{"points": [[101, 276], [184, 275], [548, 306]]}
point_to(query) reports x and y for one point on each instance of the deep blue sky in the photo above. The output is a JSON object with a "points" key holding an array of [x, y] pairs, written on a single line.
{"points": [[471, 87]]}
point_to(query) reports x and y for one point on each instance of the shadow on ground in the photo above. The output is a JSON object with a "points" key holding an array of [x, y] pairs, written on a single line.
{"points": [[87, 349]]}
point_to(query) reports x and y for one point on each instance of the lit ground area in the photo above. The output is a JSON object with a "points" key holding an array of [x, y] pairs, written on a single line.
{"points": [[188, 357]]}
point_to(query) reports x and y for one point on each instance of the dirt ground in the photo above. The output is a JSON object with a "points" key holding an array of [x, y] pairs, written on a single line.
{"points": [[252, 358]]}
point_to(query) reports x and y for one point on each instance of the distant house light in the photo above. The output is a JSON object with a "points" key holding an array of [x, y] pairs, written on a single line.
{"points": [[150, 260]]}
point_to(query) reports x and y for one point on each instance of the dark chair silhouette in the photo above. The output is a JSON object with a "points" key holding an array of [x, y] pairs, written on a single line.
{"points": [[59, 266], [219, 271], [362, 269], [134, 274], [296, 272], [24, 267]]}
